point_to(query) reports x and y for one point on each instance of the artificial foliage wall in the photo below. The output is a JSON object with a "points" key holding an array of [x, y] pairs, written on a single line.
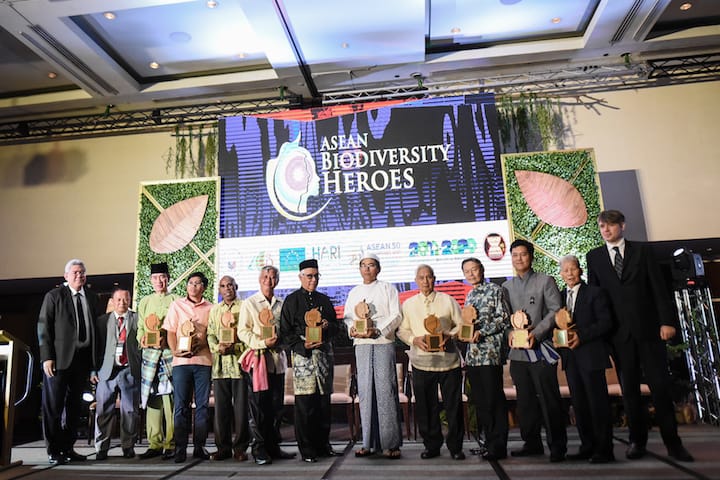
{"points": [[553, 200], [178, 224]]}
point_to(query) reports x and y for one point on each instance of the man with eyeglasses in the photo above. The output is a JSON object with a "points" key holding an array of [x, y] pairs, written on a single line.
{"points": [[312, 361], [66, 337], [186, 325]]}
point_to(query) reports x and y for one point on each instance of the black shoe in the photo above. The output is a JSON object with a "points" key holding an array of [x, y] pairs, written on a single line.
{"points": [[73, 456], [309, 459], [262, 460], [180, 456], [150, 453], [600, 458], [168, 454], [220, 455], [458, 455], [581, 455], [128, 452], [489, 456], [56, 459], [283, 455], [527, 452], [427, 454], [101, 455], [680, 453], [635, 451], [201, 454], [329, 452], [556, 457]]}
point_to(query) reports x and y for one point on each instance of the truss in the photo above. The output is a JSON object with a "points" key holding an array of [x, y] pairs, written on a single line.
{"points": [[566, 82]]}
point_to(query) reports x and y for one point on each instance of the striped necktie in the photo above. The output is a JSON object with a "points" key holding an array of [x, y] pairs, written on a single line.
{"points": [[618, 262]]}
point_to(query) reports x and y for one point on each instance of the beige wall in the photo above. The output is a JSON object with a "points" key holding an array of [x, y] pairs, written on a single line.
{"points": [[79, 198]]}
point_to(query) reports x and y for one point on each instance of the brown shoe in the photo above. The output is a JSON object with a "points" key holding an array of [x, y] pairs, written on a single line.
{"points": [[240, 456]]}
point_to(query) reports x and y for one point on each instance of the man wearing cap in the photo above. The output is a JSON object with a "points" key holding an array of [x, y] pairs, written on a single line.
{"points": [[156, 373], [376, 301], [66, 337], [312, 361]]}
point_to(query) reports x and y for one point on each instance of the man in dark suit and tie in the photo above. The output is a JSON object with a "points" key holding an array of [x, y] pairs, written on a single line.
{"points": [[644, 322], [585, 362], [66, 336], [118, 355]]}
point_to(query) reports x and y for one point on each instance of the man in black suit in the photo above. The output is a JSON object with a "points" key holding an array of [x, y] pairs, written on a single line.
{"points": [[118, 355], [585, 362], [644, 322], [66, 336]]}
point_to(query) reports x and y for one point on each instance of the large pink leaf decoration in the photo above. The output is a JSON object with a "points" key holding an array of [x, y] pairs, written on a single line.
{"points": [[178, 224], [554, 200]]}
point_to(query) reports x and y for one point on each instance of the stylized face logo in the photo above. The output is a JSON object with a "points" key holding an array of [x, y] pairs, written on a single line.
{"points": [[291, 179]]}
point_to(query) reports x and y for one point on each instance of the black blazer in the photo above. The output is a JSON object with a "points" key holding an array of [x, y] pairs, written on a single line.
{"points": [[593, 323], [107, 341], [57, 329], [640, 300]]}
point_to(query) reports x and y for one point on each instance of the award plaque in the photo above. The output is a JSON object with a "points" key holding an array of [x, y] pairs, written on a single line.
{"points": [[520, 322], [433, 339], [267, 329], [226, 334], [362, 322], [561, 335], [313, 331], [467, 328], [185, 340], [152, 334]]}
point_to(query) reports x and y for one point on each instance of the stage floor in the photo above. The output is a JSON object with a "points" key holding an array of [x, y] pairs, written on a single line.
{"points": [[701, 440]]}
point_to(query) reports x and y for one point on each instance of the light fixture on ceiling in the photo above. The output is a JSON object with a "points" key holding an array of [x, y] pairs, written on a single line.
{"points": [[345, 45], [686, 6], [241, 55], [556, 20], [109, 16], [154, 65], [52, 75], [455, 30], [212, 3]]}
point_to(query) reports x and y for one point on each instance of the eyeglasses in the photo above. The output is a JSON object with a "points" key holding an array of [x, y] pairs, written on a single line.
{"points": [[368, 265], [311, 275], [195, 284]]}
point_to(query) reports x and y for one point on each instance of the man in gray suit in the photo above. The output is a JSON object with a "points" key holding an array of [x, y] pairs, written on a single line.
{"points": [[118, 354], [66, 337]]}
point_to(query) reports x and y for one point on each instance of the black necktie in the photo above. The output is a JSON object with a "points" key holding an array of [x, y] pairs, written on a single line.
{"points": [[82, 334], [618, 263]]}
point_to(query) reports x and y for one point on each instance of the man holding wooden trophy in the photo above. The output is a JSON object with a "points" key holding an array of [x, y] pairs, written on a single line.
{"points": [[229, 384], [430, 319], [372, 314]]}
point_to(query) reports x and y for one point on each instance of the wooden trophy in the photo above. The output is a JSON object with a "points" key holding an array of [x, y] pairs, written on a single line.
{"points": [[151, 338], [226, 334], [561, 335], [362, 323], [433, 339], [267, 329], [520, 323], [313, 330], [467, 328], [185, 341]]}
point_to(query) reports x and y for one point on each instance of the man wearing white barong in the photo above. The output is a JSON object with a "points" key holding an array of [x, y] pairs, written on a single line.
{"points": [[375, 360]]}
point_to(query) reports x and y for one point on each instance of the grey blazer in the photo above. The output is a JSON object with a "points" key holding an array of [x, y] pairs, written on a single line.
{"points": [[105, 326]]}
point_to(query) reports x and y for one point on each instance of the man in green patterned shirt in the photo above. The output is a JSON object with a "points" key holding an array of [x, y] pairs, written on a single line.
{"points": [[231, 397], [156, 386]]}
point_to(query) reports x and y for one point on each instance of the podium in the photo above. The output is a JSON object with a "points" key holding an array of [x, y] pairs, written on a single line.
{"points": [[10, 349]]}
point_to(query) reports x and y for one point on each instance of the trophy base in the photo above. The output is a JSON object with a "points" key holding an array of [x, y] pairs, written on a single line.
{"points": [[560, 338], [521, 339], [226, 335], [184, 344], [433, 342], [152, 339], [267, 332], [313, 334], [466, 333], [361, 326]]}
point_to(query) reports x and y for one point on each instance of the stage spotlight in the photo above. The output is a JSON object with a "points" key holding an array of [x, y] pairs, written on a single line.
{"points": [[687, 268], [156, 116]]}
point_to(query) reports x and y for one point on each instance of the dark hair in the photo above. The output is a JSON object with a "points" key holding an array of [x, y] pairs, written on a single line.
{"points": [[524, 243], [613, 217], [119, 288], [201, 276], [474, 260]]}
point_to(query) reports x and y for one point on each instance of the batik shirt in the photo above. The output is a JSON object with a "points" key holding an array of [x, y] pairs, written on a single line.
{"points": [[492, 321]]}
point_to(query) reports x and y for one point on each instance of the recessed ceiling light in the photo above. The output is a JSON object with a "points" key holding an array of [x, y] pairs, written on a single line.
{"points": [[211, 3], [109, 15], [455, 30], [556, 20], [242, 55], [52, 75], [686, 6], [154, 65], [345, 45]]}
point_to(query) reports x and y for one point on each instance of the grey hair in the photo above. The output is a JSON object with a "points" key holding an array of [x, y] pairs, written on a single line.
{"points": [[271, 268], [73, 262], [570, 258], [423, 266]]}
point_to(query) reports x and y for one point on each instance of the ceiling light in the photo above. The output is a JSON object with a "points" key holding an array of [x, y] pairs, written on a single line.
{"points": [[52, 75], [242, 55], [109, 15], [686, 6], [154, 65], [455, 30], [556, 20], [211, 3], [345, 45]]}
